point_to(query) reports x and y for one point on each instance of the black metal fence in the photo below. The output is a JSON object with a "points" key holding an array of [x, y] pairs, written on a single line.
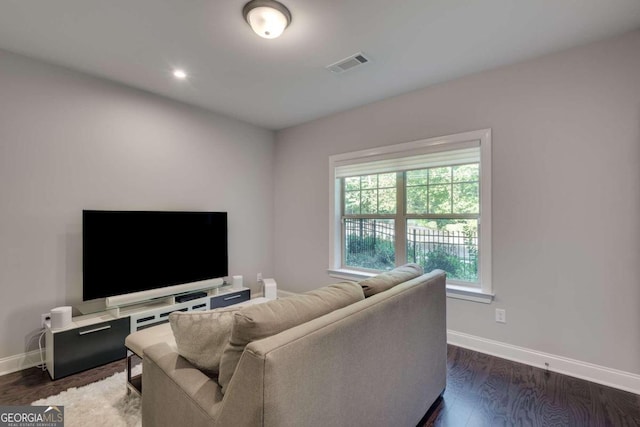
{"points": [[370, 243]]}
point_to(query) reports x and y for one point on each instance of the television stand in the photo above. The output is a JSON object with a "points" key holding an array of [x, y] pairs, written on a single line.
{"points": [[191, 296], [98, 338], [156, 312]]}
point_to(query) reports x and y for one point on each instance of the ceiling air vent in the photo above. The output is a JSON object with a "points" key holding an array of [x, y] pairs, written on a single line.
{"points": [[349, 63]]}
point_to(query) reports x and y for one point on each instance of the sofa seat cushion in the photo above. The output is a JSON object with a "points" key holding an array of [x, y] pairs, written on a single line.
{"points": [[388, 280], [201, 336], [138, 341], [264, 320]]}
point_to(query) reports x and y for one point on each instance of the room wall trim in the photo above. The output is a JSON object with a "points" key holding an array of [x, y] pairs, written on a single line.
{"points": [[622, 380], [19, 362]]}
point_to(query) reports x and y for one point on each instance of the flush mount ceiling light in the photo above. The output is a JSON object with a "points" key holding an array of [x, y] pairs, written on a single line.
{"points": [[179, 74], [268, 18]]}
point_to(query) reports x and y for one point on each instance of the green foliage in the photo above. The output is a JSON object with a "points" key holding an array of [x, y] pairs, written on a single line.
{"points": [[443, 190], [450, 244], [466, 197], [370, 194], [440, 175], [369, 252], [466, 173], [439, 199], [443, 260], [447, 244], [470, 240]]}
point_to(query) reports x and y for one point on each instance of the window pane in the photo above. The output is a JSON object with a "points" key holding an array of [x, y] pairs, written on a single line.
{"points": [[387, 201], [466, 173], [466, 198], [440, 175], [418, 177], [368, 201], [448, 244], [417, 200], [352, 202], [363, 196], [440, 199], [387, 180], [352, 183], [369, 181], [369, 243]]}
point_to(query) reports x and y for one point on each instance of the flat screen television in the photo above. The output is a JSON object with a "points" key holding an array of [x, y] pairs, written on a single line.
{"points": [[132, 251]]}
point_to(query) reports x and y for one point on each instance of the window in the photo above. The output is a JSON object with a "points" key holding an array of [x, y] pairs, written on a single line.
{"points": [[426, 202]]}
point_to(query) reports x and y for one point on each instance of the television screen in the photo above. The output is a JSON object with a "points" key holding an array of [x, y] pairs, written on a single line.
{"points": [[131, 251]]}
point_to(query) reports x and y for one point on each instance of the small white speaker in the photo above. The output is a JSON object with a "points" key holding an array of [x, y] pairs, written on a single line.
{"points": [[60, 317], [236, 282], [270, 289]]}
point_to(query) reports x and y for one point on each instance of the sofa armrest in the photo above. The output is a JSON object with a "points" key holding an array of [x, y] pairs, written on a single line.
{"points": [[175, 392]]}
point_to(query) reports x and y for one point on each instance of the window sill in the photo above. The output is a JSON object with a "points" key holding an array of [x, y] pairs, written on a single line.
{"points": [[453, 291], [468, 293]]}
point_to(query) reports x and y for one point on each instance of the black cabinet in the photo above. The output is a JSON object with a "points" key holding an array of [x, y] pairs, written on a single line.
{"points": [[230, 298], [78, 349], [98, 339]]}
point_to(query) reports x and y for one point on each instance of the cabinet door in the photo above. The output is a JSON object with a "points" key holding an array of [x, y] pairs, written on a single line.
{"points": [[90, 346], [230, 298]]}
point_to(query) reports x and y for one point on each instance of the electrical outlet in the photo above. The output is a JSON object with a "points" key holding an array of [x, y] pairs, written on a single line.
{"points": [[259, 277], [501, 315], [44, 317]]}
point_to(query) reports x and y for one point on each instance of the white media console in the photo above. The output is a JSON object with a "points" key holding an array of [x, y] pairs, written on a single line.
{"points": [[98, 338]]}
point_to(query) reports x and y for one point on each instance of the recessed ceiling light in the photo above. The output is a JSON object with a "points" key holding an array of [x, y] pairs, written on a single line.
{"points": [[179, 74]]}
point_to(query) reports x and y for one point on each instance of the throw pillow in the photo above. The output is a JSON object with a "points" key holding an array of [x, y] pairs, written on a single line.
{"points": [[388, 280], [264, 320], [201, 336]]}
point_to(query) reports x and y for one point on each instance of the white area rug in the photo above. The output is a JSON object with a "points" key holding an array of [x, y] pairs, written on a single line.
{"points": [[103, 403]]}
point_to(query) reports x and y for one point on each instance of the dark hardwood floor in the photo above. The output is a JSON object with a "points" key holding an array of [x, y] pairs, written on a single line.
{"points": [[29, 385], [482, 390]]}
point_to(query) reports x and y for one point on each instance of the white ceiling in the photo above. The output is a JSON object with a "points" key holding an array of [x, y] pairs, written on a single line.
{"points": [[282, 82]]}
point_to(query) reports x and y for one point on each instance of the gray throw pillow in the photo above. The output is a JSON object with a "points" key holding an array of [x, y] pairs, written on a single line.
{"points": [[388, 280], [264, 320], [201, 336]]}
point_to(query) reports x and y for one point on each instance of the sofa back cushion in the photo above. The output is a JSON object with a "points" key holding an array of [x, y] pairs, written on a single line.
{"points": [[264, 320], [388, 280], [201, 336]]}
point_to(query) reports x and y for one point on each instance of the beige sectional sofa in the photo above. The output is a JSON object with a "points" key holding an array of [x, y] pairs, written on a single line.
{"points": [[380, 361]]}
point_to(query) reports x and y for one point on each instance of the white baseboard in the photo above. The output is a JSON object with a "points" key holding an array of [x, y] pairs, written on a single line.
{"points": [[587, 371], [19, 362]]}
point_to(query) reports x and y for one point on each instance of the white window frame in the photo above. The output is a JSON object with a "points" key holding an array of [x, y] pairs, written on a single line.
{"points": [[396, 153]]}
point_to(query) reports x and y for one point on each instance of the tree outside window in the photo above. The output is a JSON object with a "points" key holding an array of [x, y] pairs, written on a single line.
{"points": [[433, 213]]}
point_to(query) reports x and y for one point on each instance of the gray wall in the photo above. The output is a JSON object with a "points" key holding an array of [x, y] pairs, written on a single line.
{"points": [[70, 142], [566, 195]]}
